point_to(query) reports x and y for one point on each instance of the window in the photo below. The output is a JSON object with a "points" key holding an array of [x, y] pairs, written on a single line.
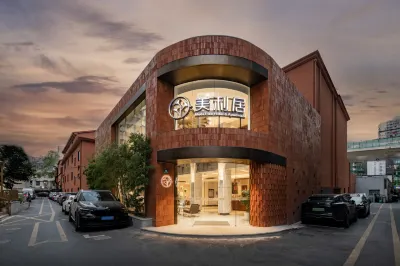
{"points": [[211, 97], [79, 156], [74, 161], [72, 175], [134, 122], [37, 183]]}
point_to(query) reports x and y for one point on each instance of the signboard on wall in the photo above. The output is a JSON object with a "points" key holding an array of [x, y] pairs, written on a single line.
{"points": [[180, 107], [376, 167]]}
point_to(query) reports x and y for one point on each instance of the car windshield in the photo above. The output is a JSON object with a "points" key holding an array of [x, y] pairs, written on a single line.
{"points": [[357, 200], [97, 196]]}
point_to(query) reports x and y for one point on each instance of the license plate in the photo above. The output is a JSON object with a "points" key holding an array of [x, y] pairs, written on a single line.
{"points": [[107, 218], [318, 209]]}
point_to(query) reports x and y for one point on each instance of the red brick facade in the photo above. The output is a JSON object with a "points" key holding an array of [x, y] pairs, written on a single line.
{"points": [[78, 151], [282, 121]]}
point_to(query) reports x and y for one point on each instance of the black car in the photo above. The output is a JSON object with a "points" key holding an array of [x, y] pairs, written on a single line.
{"points": [[362, 204], [329, 207], [96, 208]]}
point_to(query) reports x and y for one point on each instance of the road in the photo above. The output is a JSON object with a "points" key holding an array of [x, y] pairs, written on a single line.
{"points": [[42, 235]]}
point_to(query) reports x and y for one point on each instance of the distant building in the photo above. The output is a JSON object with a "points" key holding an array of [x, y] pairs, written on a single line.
{"points": [[390, 129], [378, 157], [41, 181], [76, 155]]}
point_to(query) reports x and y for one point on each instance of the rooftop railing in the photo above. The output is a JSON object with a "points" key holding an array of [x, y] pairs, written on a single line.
{"points": [[374, 144]]}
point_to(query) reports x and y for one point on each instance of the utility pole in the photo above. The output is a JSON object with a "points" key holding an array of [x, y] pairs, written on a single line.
{"points": [[1, 177]]}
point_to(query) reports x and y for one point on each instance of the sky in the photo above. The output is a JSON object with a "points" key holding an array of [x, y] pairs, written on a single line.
{"points": [[65, 64]]}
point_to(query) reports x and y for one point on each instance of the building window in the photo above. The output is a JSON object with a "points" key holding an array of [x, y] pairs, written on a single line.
{"points": [[37, 183], [134, 122], [79, 156], [75, 161], [211, 97], [72, 174]]}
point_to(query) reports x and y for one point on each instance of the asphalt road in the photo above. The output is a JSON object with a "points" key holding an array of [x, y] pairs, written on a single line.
{"points": [[42, 235]]}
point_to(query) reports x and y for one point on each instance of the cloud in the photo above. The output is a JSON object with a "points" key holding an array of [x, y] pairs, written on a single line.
{"points": [[19, 46], [60, 67], [134, 60], [120, 35], [84, 84]]}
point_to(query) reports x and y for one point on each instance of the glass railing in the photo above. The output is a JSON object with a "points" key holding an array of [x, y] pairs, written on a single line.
{"points": [[374, 144]]}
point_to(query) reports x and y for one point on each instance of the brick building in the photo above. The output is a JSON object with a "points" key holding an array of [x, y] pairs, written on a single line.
{"points": [[78, 151], [224, 118]]}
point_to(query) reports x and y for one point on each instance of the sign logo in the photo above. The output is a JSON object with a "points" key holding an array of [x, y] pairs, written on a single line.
{"points": [[166, 181], [180, 107]]}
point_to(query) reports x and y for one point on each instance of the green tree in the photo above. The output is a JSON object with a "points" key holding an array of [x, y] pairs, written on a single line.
{"points": [[17, 166], [126, 167], [48, 164]]}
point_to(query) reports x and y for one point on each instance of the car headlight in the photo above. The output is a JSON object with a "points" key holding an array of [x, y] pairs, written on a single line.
{"points": [[85, 211]]}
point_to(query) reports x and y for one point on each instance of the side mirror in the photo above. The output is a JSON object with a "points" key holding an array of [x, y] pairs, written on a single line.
{"points": [[75, 199]]}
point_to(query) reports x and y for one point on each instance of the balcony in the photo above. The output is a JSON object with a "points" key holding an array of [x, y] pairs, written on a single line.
{"points": [[374, 144]]}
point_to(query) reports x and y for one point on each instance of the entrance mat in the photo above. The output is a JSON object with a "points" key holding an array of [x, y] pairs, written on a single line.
{"points": [[213, 223]]}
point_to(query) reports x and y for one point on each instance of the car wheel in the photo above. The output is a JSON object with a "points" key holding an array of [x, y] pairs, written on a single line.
{"points": [[346, 221], [77, 222], [70, 218], [355, 219]]}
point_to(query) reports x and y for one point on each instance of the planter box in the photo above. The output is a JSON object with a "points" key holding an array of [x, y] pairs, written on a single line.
{"points": [[140, 222]]}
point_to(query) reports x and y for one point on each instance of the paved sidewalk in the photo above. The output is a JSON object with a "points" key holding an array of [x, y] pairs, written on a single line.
{"points": [[220, 231]]}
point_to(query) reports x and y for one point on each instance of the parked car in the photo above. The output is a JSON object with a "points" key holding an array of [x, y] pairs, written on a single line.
{"points": [[65, 196], [95, 208], [31, 192], [60, 197], [362, 204], [329, 207], [67, 203]]}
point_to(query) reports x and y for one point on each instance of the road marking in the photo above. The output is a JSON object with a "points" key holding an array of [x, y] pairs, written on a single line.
{"points": [[4, 241], [52, 212], [63, 236], [41, 208], [396, 241], [352, 259], [5, 219], [34, 234], [12, 229], [98, 237]]}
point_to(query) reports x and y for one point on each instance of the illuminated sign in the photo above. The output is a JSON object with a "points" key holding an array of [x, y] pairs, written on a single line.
{"points": [[166, 181], [180, 107]]}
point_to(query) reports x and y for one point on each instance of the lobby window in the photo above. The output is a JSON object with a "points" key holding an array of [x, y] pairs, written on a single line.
{"points": [[134, 122], [215, 103]]}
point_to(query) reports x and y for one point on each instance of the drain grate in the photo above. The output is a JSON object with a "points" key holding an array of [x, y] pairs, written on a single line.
{"points": [[212, 223]]}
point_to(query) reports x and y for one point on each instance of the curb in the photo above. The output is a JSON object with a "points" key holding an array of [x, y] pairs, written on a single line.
{"points": [[219, 236]]}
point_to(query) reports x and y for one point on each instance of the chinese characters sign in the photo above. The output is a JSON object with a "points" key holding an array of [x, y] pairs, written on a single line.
{"points": [[208, 106]]}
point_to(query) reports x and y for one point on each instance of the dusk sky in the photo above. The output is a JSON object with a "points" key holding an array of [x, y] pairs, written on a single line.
{"points": [[65, 63]]}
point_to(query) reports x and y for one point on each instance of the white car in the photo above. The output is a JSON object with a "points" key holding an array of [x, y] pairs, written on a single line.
{"points": [[67, 204]]}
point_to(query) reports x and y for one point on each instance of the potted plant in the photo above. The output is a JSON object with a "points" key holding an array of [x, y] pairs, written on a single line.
{"points": [[246, 202]]}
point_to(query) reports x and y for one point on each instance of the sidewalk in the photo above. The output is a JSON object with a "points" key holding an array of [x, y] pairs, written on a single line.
{"points": [[2, 216]]}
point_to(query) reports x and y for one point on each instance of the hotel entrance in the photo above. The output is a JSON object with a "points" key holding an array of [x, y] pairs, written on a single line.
{"points": [[212, 192]]}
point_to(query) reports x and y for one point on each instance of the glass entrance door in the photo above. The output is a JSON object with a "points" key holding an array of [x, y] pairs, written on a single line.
{"points": [[210, 193]]}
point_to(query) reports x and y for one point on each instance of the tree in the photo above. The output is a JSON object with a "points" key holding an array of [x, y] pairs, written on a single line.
{"points": [[126, 167], [17, 166], [47, 165]]}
